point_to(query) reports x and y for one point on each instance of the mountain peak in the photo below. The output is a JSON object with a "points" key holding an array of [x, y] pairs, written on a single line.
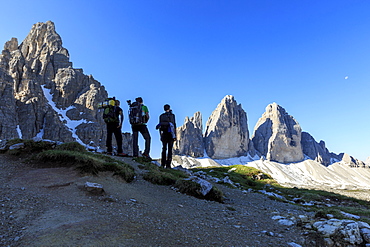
{"points": [[45, 97], [277, 135], [227, 133]]}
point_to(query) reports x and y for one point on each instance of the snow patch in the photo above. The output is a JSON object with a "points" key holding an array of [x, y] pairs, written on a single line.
{"points": [[305, 174], [71, 124]]}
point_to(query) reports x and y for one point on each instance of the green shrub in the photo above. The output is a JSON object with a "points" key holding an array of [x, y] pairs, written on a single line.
{"points": [[30, 146], [160, 178], [242, 175], [71, 146]]}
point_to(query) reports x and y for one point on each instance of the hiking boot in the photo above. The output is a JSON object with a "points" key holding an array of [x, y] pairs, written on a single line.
{"points": [[146, 156], [122, 155]]}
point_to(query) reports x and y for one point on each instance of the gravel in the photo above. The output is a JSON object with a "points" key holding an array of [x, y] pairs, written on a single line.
{"points": [[48, 207]]}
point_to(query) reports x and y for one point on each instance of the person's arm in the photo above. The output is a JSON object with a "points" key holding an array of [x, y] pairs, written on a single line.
{"points": [[174, 124], [146, 111], [120, 118], [147, 115]]}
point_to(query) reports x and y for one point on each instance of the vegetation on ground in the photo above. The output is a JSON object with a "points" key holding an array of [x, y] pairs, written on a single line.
{"points": [[324, 203], [72, 154]]}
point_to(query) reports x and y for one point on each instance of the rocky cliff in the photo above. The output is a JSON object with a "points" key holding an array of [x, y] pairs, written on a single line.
{"points": [[190, 137], [277, 136], [44, 96], [227, 133], [318, 151], [353, 162]]}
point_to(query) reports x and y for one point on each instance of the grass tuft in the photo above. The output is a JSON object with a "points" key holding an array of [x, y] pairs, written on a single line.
{"points": [[71, 146], [239, 174], [85, 162]]}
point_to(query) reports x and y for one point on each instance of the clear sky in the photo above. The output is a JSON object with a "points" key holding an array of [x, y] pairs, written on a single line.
{"points": [[312, 57]]}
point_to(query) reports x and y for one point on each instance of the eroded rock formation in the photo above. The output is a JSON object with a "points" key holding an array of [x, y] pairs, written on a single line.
{"points": [[43, 95], [277, 136], [190, 137], [227, 133], [317, 151]]}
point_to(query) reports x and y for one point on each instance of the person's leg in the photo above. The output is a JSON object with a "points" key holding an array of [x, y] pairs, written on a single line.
{"points": [[169, 156], [164, 151], [145, 132], [135, 137], [118, 135], [109, 139]]}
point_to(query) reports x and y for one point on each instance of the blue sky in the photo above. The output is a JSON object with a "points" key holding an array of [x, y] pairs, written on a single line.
{"points": [[310, 57]]}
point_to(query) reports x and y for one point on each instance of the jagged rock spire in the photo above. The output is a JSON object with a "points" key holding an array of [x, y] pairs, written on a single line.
{"points": [[44, 96], [227, 133], [277, 135], [190, 137]]}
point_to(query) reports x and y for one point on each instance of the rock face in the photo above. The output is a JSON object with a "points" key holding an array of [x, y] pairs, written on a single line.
{"points": [[367, 161], [190, 137], [227, 133], [277, 136], [317, 151], [352, 162], [43, 96]]}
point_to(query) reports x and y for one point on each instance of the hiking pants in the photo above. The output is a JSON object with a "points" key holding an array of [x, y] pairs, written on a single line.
{"points": [[167, 144], [112, 128], [143, 129]]}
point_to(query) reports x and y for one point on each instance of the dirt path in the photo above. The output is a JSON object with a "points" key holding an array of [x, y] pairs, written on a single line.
{"points": [[47, 207]]}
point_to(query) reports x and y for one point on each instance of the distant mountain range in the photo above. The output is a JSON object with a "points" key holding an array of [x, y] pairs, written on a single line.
{"points": [[44, 97], [277, 137]]}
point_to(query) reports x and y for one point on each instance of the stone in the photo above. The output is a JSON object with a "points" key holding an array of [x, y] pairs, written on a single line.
{"points": [[277, 136], [341, 231], [190, 137], [292, 244], [227, 134], [94, 188], [327, 228], [16, 146], [204, 184], [365, 233]]}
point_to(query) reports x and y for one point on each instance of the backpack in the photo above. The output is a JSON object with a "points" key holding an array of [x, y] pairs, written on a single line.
{"points": [[135, 113], [109, 110], [166, 124]]}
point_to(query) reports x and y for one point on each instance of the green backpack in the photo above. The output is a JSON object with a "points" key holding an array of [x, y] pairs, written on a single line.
{"points": [[109, 110]]}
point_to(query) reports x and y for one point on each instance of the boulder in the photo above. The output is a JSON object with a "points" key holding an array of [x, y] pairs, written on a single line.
{"points": [[342, 231]]}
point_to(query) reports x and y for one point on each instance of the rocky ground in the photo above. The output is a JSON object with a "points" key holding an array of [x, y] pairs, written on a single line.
{"points": [[48, 207]]}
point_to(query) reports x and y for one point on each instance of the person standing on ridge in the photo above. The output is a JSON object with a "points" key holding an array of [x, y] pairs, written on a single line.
{"points": [[139, 125], [167, 130], [114, 127]]}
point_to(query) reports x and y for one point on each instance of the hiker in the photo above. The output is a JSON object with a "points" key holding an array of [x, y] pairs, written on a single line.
{"points": [[114, 125], [167, 130], [138, 122]]}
